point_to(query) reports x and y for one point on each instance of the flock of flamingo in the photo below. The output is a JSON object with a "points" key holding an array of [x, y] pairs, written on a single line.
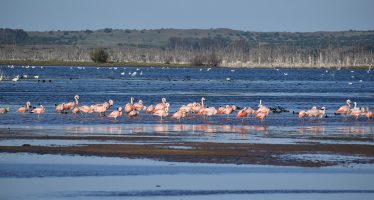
{"points": [[161, 109]]}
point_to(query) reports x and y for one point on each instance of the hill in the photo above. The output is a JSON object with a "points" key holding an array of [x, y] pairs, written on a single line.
{"points": [[194, 46]]}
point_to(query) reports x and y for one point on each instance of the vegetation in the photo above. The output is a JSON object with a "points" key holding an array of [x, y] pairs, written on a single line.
{"points": [[212, 47], [99, 55]]}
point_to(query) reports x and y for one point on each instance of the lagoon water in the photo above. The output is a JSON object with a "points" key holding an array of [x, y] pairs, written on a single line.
{"points": [[293, 89], [31, 176]]}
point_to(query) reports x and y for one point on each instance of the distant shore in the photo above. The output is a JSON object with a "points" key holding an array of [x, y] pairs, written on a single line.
{"points": [[151, 64]]}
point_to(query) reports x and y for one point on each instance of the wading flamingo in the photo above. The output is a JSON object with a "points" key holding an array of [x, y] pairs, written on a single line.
{"points": [[355, 112], [39, 110], [162, 112], [344, 110], [133, 113], [150, 109], [129, 106], [24, 108], [162, 105], [116, 113], [71, 105], [179, 115], [139, 106]]}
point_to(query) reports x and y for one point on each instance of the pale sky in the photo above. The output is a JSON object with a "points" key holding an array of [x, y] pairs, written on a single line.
{"points": [[248, 15]]}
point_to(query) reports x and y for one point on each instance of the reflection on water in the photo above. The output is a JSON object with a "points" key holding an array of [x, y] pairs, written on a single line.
{"points": [[210, 132]]}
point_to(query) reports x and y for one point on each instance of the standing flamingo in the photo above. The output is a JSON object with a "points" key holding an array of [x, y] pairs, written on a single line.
{"points": [[116, 113], [162, 105], [303, 114], [71, 105], [150, 109], [39, 110], [133, 113], [162, 113], [24, 108], [262, 111], [139, 106], [129, 106], [344, 110], [179, 115], [355, 112]]}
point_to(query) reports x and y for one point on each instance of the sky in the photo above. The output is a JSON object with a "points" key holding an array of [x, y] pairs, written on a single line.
{"points": [[247, 15]]}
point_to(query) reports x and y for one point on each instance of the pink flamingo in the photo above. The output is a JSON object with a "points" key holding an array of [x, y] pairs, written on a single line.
{"points": [[202, 108], [355, 112], [162, 105], [186, 109], [162, 112], [344, 110], [24, 108], [86, 109], [71, 105], [179, 115], [116, 113], [262, 111], [101, 109], [39, 110], [313, 112], [303, 114], [133, 113], [129, 106], [139, 106], [150, 109], [60, 108]]}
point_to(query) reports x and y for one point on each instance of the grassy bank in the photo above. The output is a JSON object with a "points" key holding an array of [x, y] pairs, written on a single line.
{"points": [[144, 64]]}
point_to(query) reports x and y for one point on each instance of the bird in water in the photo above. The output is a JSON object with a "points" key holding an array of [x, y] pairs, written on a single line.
{"points": [[24, 108]]}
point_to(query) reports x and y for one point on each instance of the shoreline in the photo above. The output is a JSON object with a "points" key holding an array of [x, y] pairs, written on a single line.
{"points": [[148, 64], [198, 152]]}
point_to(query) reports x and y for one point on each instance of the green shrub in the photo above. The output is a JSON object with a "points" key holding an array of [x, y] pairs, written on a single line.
{"points": [[99, 55]]}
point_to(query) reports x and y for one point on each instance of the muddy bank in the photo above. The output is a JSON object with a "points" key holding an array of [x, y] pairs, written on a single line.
{"points": [[201, 152]]}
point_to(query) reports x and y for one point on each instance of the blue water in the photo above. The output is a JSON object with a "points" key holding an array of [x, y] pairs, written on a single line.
{"points": [[293, 89]]}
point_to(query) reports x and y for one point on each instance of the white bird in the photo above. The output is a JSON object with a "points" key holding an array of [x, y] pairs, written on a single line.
{"points": [[350, 83], [122, 73], [33, 67], [36, 77], [285, 74], [208, 69], [141, 73], [25, 76], [15, 79], [201, 69], [233, 70], [228, 79], [115, 68], [133, 74]]}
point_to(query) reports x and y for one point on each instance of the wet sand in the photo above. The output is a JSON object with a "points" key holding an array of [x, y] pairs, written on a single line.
{"points": [[161, 148]]}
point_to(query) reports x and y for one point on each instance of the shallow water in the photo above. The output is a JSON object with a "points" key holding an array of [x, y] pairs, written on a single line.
{"points": [[32, 176], [299, 89]]}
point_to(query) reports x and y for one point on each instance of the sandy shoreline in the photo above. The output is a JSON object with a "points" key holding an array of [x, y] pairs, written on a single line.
{"points": [[196, 152]]}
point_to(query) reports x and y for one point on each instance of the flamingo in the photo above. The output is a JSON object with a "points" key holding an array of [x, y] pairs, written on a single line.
{"points": [[86, 109], [75, 110], [139, 106], [313, 112], [162, 105], [24, 108], [179, 115], [185, 109], [133, 113], [229, 109], [150, 109], [129, 106], [355, 112], [262, 111], [196, 107], [345, 109], [369, 114], [162, 112], [242, 113], [71, 105], [201, 111], [116, 113], [102, 108], [303, 114], [39, 110], [4, 110], [60, 108]]}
